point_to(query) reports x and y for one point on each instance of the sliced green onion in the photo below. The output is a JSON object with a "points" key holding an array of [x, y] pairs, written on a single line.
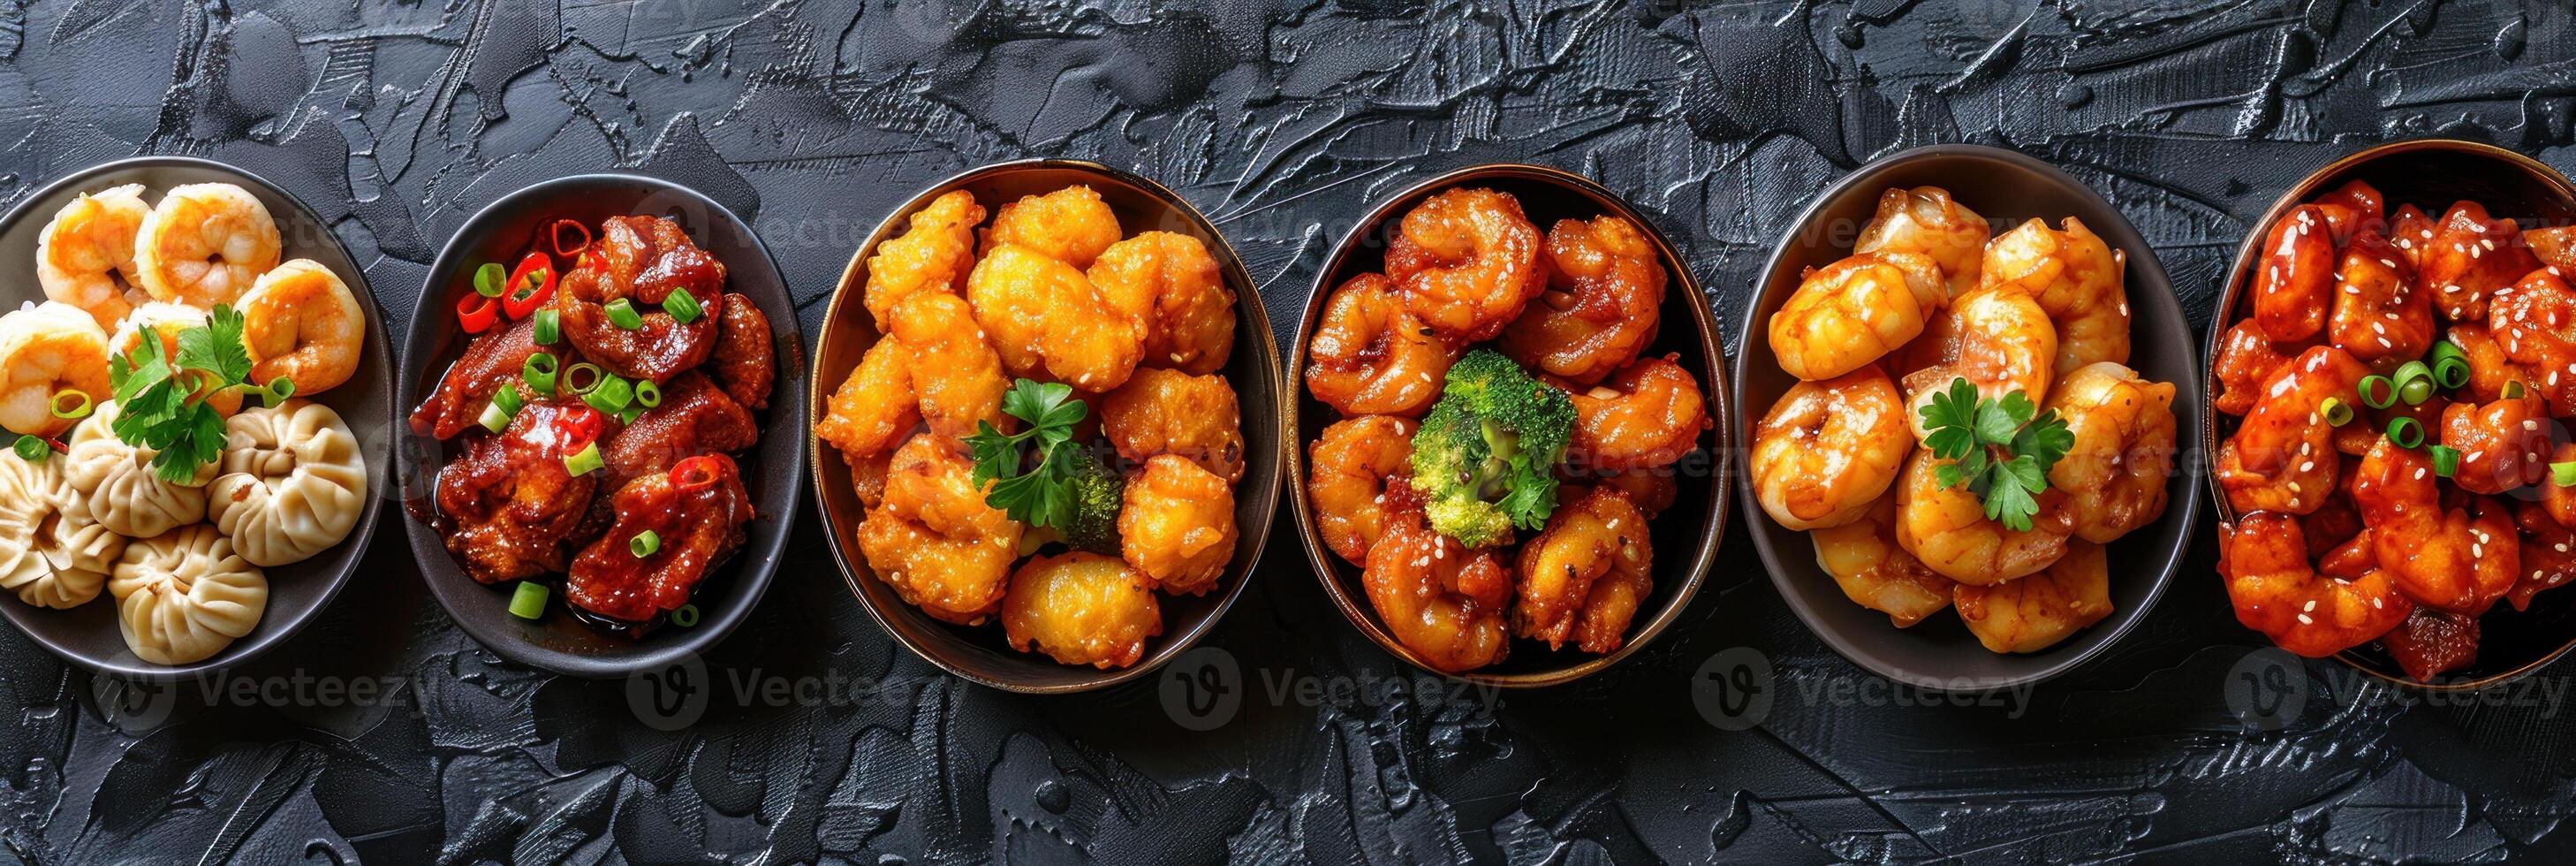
{"points": [[585, 461], [2451, 372], [612, 395], [494, 418], [648, 393], [2513, 390], [2415, 391], [549, 327], [508, 398], [2378, 392], [32, 449], [2446, 460], [488, 279], [686, 616], [2336, 411], [628, 415], [78, 408], [2444, 349], [682, 306], [2411, 371], [2405, 432], [621, 312], [582, 377], [539, 373], [2563, 473], [278, 390], [644, 543], [529, 600]]}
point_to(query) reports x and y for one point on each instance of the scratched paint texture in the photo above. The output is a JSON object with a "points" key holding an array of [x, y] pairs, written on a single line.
{"points": [[397, 120]]}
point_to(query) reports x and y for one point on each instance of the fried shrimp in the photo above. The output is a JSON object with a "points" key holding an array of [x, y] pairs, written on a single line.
{"points": [[2036, 612], [1603, 303], [2379, 314], [955, 375], [2000, 342], [2352, 210], [2246, 359], [1070, 225], [2282, 457], [85, 256], [1081, 609], [1648, 414], [1046, 319], [2471, 255], [1468, 261], [933, 254], [2114, 476], [1371, 356], [1596, 540], [2264, 558], [204, 244], [875, 407], [1828, 449], [1925, 220], [1171, 286], [1851, 313], [46, 350], [2077, 281], [1349, 470], [301, 323], [2295, 288], [2457, 559], [933, 538], [2534, 322], [1171, 412], [1176, 525], [1877, 573], [1947, 528], [1441, 599]]}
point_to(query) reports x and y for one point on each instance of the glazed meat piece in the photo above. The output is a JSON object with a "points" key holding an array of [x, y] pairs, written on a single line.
{"points": [[493, 358], [2432, 641], [743, 361], [512, 506], [695, 513], [640, 260], [695, 418]]}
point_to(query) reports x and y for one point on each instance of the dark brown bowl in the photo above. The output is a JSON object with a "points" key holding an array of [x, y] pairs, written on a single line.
{"points": [[88, 635], [499, 233], [980, 653], [2431, 174], [1693, 526], [2005, 187]]}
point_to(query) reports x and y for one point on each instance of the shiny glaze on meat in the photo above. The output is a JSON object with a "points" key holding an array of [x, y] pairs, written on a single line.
{"points": [[493, 358], [743, 362], [698, 527], [511, 507], [695, 418], [642, 259]]}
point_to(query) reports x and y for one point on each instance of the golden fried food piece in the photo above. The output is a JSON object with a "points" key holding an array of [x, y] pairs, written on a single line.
{"points": [[1047, 320], [934, 539], [1594, 543], [1171, 412], [1468, 260], [1648, 414], [2036, 612], [1169, 284], [1071, 225], [1176, 525], [1441, 599], [1081, 609], [1371, 357], [933, 254], [868, 475], [1849, 314], [1875, 572], [957, 377], [875, 407], [1350, 467], [1603, 303]]}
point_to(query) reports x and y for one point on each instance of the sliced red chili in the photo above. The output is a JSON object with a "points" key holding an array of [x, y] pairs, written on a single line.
{"points": [[558, 232], [577, 426], [531, 285], [592, 259], [477, 313], [698, 473]]}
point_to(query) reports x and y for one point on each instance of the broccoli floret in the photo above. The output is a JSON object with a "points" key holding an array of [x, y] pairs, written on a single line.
{"points": [[1484, 459], [1098, 493]]}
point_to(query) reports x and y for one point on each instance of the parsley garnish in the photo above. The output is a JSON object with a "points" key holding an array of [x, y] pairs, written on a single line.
{"points": [[2001, 449], [1043, 495], [161, 401]]}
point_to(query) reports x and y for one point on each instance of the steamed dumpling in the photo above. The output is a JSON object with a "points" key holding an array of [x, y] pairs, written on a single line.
{"points": [[122, 490], [51, 553], [184, 596], [293, 482]]}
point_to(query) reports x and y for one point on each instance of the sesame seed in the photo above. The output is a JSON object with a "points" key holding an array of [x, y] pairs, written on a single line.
{"points": [[2304, 620]]}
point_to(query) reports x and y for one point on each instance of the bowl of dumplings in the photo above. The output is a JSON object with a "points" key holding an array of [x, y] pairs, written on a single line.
{"points": [[191, 375]]}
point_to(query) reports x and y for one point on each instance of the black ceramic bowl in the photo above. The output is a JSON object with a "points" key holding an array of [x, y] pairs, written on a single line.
{"points": [[2006, 188], [1685, 536], [2430, 174], [87, 635], [982, 653], [501, 232]]}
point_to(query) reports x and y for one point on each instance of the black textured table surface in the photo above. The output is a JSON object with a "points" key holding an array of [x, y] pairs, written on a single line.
{"points": [[398, 120]]}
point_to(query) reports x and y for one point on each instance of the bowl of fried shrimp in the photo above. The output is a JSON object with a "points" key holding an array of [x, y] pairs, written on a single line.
{"points": [[1509, 452], [1963, 377], [1043, 436]]}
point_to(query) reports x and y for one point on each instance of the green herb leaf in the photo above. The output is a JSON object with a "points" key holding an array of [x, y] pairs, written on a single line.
{"points": [[2000, 449], [1043, 495], [217, 347], [1950, 418], [161, 400]]}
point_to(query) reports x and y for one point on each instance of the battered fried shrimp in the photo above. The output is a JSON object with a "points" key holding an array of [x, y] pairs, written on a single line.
{"points": [[1603, 304], [934, 540], [2000, 342], [2469, 257], [2283, 457], [1851, 313], [933, 254], [1927, 221], [1877, 573], [1081, 609], [1047, 320], [1947, 528], [2264, 558], [2036, 612], [1598, 537], [875, 407], [956, 376], [2114, 476], [2294, 289], [2457, 559], [1176, 525], [2246, 359], [2379, 314], [1468, 261], [1350, 467], [1071, 225], [1371, 357], [1648, 414], [2503, 445], [2077, 281], [1171, 412], [1171, 285], [1441, 599], [2534, 322], [1829, 449]]}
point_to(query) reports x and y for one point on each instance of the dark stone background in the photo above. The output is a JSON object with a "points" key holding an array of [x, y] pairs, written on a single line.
{"points": [[397, 120]]}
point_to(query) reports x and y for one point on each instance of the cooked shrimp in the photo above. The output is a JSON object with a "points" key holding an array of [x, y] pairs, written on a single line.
{"points": [[2077, 281], [1070, 225], [2353, 209], [1853, 312], [2001, 342], [1828, 449], [2247, 358], [204, 244], [2534, 322], [1875, 572], [2295, 288], [1046, 318], [1925, 220], [2458, 559], [2412, 231], [2379, 314], [1603, 304], [45, 350], [1081, 609], [955, 375], [934, 253], [2276, 591], [2490, 370], [1440, 599], [1170, 412], [301, 323], [166, 320], [2115, 475], [1176, 525], [1169, 284], [875, 408], [1468, 261], [1351, 466], [1648, 414], [2036, 612], [1371, 357], [1654, 490], [934, 539], [1947, 528], [85, 256], [1598, 536], [2469, 257], [2283, 457], [2503, 444]]}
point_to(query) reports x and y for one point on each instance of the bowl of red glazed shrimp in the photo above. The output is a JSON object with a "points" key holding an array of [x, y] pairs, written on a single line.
{"points": [[2393, 369]]}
